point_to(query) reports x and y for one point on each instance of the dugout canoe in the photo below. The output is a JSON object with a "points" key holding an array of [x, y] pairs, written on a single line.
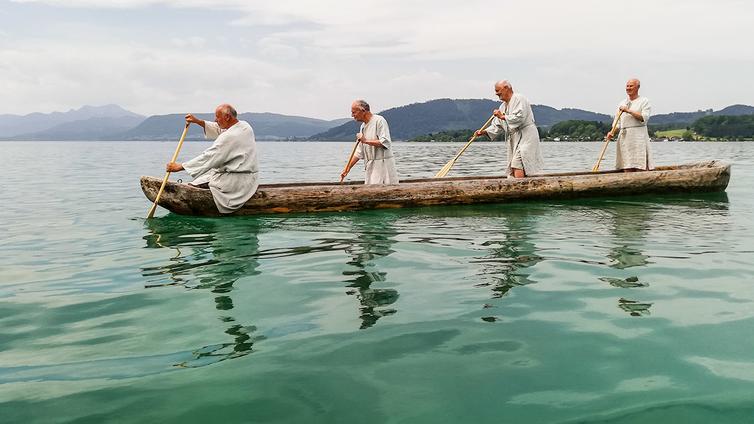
{"points": [[184, 199]]}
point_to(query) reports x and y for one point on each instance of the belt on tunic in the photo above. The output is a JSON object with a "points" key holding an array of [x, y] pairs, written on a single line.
{"points": [[236, 172], [633, 126]]}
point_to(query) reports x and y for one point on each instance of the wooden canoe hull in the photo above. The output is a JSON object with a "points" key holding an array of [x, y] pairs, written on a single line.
{"points": [[706, 176]]}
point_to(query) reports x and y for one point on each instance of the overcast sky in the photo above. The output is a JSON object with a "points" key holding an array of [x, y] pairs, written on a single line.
{"points": [[312, 58]]}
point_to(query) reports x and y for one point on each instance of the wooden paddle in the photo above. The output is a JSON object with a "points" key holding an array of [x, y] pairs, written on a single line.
{"points": [[445, 169], [353, 152], [167, 174], [596, 167]]}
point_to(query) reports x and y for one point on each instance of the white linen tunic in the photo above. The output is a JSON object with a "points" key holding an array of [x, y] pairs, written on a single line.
{"points": [[230, 165], [379, 162], [522, 137], [632, 149]]}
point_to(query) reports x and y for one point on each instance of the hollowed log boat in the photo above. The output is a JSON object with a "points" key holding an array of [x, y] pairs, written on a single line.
{"points": [[185, 199]]}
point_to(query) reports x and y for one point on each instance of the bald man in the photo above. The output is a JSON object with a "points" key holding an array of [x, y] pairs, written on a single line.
{"points": [[229, 168], [515, 119], [375, 146], [632, 152]]}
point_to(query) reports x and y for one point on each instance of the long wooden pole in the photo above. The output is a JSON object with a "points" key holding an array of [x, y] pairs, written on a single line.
{"points": [[167, 174], [596, 166], [348, 162], [445, 169]]}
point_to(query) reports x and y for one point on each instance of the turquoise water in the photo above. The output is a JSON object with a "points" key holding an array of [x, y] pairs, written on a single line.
{"points": [[636, 309]]}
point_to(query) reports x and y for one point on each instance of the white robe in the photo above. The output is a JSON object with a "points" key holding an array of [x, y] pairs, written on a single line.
{"points": [[522, 137], [379, 162], [632, 149], [230, 165]]}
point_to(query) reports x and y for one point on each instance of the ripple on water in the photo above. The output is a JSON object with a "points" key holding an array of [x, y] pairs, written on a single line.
{"points": [[572, 306]]}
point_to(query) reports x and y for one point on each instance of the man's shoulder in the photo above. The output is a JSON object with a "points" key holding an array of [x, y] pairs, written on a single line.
{"points": [[518, 98], [379, 120], [239, 129], [243, 126]]}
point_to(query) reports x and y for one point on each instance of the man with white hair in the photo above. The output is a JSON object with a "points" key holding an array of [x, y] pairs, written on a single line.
{"points": [[515, 119], [632, 152], [229, 168], [374, 146]]}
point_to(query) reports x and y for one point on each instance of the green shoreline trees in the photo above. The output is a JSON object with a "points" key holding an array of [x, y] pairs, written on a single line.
{"points": [[722, 126], [708, 128]]}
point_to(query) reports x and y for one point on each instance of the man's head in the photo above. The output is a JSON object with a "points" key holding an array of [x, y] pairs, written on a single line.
{"points": [[632, 88], [360, 110], [504, 90], [226, 116]]}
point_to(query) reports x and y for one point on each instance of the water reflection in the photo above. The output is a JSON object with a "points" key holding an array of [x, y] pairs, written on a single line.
{"points": [[373, 239], [511, 252], [209, 254], [627, 283], [630, 222], [634, 307]]}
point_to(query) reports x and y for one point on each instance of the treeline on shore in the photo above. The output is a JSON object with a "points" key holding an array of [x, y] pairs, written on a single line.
{"points": [[708, 128]]}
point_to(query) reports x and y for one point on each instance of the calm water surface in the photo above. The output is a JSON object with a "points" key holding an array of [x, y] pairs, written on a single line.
{"points": [[636, 309]]}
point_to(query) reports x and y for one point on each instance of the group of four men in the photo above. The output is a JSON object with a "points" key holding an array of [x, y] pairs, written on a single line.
{"points": [[229, 168]]}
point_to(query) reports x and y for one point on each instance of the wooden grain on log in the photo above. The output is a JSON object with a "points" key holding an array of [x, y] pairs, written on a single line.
{"points": [[334, 197]]}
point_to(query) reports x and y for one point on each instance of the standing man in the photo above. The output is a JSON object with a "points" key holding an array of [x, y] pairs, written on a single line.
{"points": [[374, 146], [229, 167], [515, 119], [633, 153]]}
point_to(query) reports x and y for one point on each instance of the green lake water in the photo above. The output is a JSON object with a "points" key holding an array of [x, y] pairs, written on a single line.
{"points": [[620, 310]]}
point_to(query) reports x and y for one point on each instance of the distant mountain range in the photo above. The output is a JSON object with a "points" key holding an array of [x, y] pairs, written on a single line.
{"points": [[267, 126], [42, 126], [448, 114], [85, 129], [417, 119], [111, 122]]}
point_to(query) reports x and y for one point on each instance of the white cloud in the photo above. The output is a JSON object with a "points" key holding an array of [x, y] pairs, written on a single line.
{"points": [[275, 49], [191, 42], [310, 58], [142, 78], [93, 3]]}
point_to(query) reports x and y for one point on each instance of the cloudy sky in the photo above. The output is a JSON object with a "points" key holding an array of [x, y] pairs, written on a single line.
{"points": [[312, 58]]}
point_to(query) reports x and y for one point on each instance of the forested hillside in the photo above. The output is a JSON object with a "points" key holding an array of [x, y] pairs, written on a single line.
{"points": [[407, 122]]}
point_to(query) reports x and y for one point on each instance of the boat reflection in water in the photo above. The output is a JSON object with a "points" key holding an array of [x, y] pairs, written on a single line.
{"points": [[209, 254], [489, 247]]}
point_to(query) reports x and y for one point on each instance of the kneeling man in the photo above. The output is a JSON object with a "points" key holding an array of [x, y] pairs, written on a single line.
{"points": [[229, 168]]}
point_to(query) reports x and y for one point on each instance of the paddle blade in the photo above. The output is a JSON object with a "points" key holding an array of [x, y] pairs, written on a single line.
{"points": [[150, 215], [445, 169]]}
